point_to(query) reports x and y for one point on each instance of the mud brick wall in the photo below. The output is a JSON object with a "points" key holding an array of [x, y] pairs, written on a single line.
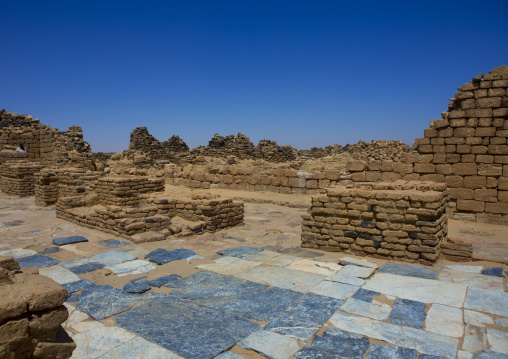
{"points": [[31, 314], [17, 179], [46, 188], [277, 180], [154, 215], [126, 191], [403, 220]]}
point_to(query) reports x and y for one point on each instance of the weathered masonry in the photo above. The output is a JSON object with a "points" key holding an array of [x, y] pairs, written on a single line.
{"points": [[403, 220]]}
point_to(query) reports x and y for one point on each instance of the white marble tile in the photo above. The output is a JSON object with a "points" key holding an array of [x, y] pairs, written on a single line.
{"points": [[59, 274], [334, 289], [316, 267], [445, 320]]}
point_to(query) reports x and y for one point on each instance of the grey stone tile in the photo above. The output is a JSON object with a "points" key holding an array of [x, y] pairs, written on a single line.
{"points": [[159, 282], [334, 289], [365, 295], [162, 256], [103, 301], [138, 287], [342, 343], [69, 240], [189, 330], [357, 262], [229, 355], [472, 279], [78, 285], [282, 261], [366, 309], [131, 267], [282, 277], [17, 253], [463, 268], [311, 353], [357, 271], [76, 262], [94, 343], [445, 320], [263, 256], [418, 289], [49, 250], [36, 261], [271, 345], [497, 272], [59, 274], [489, 354], [213, 285], [85, 268], [302, 319], [346, 279], [477, 318], [422, 341], [409, 270], [240, 251], [498, 340], [113, 257], [487, 301], [502, 322], [139, 348], [408, 312], [264, 305], [113, 243], [377, 351]]}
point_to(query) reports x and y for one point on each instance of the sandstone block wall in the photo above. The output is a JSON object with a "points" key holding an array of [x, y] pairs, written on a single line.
{"points": [[17, 178], [31, 314], [126, 191], [403, 220]]}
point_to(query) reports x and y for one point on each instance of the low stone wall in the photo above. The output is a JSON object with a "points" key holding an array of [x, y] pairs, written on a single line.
{"points": [[17, 178], [126, 191], [279, 180], [153, 216], [31, 314], [403, 220]]}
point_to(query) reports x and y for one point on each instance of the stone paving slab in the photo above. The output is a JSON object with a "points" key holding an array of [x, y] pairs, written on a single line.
{"points": [[334, 290], [85, 268], [316, 267], [162, 256], [94, 343], [240, 251], [418, 289], [69, 240], [311, 353], [59, 274], [409, 270], [377, 351], [113, 243], [346, 279], [113, 257], [475, 280], [305, 317], [36, 261], [445, 320], [271, 345], [409, 313], [357, 262], [131, 267], [189, 330], [464, 268], [78, 285], [213, 285], [76, 262], [17, 253], [282, 277], [263, 256], [366, 309], [342, 344], [139, 348], [357, 271], [264, 305], [487, 301], [422, 341], [159, 282]]}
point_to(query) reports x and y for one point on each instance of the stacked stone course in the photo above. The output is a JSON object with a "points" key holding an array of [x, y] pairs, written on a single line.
{"points": [[18, 178], [31, 314], [126, 191], [403, 220]]}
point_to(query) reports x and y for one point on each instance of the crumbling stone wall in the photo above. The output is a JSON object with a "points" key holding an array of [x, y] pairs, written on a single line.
{"points": [[31, 314], [403, 220], [126, 191], [373, 151], [261, 178], [18, 178]]}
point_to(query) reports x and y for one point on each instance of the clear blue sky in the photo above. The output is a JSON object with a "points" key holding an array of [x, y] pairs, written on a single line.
{"points": [[305, 73]]}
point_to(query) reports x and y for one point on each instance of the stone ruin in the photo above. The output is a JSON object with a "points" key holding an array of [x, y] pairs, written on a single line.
{"points": [[31, 314]]}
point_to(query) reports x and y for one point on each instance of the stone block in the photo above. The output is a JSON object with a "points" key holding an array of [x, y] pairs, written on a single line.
{"points": [[464, 169]]}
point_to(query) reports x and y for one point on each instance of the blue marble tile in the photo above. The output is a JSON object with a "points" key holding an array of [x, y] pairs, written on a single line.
{"points": [[365, 295], [428, 356], [162, 256], [49, 250], [190, 330], [159, 282], [304, 318], [214, 285], [489, 354], [85, 268], [138, 279], [240, 251], [78, 285], [229, 355], [408, 313], [74, 298], [262, 306], [496, 272], [410, 271], [139, 287], [311, 353], [344, 344], [103, 301], [113, 243], [36, 261], [391, 352], [68, 240]]}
